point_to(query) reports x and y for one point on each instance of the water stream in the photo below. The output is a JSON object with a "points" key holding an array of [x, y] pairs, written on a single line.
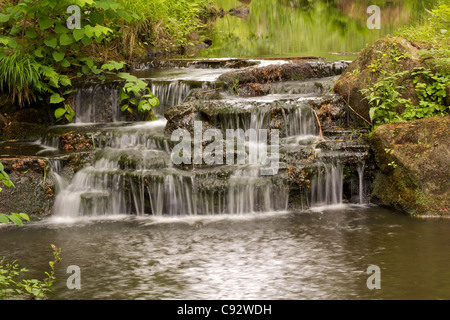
{"points": [[140, 226]]}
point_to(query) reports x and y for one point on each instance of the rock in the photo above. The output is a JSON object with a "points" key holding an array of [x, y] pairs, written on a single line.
{"points": [[34, 190], [298, 70], [241, 12], [413, 158], [365, 71]]}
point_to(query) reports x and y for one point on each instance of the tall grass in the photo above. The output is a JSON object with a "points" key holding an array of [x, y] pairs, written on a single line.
{"points": [[166, 22], [434, 35], [21, 76]]}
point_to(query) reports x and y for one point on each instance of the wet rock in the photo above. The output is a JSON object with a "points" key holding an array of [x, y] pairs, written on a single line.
{"points": [[413, 158], [34, 190], [74, 141], [296, 70]]}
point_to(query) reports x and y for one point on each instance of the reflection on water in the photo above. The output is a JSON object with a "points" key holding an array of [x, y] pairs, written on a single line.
{"points": [[307, 28], [303, 255]]}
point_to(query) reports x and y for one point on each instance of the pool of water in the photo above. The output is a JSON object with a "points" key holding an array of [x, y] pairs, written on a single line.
{"points": [[319, 254], [331, 29]]}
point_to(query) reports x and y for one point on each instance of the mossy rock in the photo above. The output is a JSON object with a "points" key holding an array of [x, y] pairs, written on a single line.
{"points": [[413, 158], [393, 55]]}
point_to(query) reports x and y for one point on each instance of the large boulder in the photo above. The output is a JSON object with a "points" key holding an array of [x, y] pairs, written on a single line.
{"points": [[414, 158], [393, 55]]}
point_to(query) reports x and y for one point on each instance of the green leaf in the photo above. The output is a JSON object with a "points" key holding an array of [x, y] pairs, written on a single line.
{"points": [[78, 34], [65, 63], [58, 56], [86, 41], [59, 28], [89, 31], [38, 53], [372, 113], [15, 220], [66, 39], [4, 17], [24, 216], [45, 23], [31, 33], [59, 112], [96, 17], [123, 95], [69, 117], [52, 42], [56, 98], [4, 218]]}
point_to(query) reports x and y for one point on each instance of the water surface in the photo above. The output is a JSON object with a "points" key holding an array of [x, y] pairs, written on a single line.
{"points": [[321, 254]]}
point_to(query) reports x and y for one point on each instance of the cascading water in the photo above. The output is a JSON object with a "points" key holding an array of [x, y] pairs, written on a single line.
{"points": [[133, 172]]}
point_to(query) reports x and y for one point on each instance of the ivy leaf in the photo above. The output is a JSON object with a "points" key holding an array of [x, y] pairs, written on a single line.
{"points": [[78, 34], [66, 39], [38, 53], [56, 98], [51, 42], [59, 112], [58, 56], [4, 17], [65, 63], [59, 28], [96, 17], [45, 23]]}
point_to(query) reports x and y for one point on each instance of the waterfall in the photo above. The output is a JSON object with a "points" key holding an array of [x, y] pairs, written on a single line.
{"points": [[169, 93], [327, 185], [133, 171], [360, 168]]}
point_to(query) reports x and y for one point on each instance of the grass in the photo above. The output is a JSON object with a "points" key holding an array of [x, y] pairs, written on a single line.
{"points": [[433, 35], [20, 77], [166, 23]]}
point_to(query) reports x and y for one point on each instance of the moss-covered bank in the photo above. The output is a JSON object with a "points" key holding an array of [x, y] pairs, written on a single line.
{"points": [[414, 158]]}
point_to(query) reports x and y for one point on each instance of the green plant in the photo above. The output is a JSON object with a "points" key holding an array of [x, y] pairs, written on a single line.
{"points": [[385, 98], [136, 95], [431, 91], [392, 164], [11, 287], [235, 87], [39, 55]]}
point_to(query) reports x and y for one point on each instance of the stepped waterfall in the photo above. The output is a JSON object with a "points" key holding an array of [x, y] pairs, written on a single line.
{"points": [[132, 171]]}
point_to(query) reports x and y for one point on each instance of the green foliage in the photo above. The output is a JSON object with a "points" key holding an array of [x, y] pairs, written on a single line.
{"points": [[136, 95], [38, 51], [385, 99], [431, 92], [11, 287], [435, 33], [165, 21], [4, 178], [15, 218]]}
